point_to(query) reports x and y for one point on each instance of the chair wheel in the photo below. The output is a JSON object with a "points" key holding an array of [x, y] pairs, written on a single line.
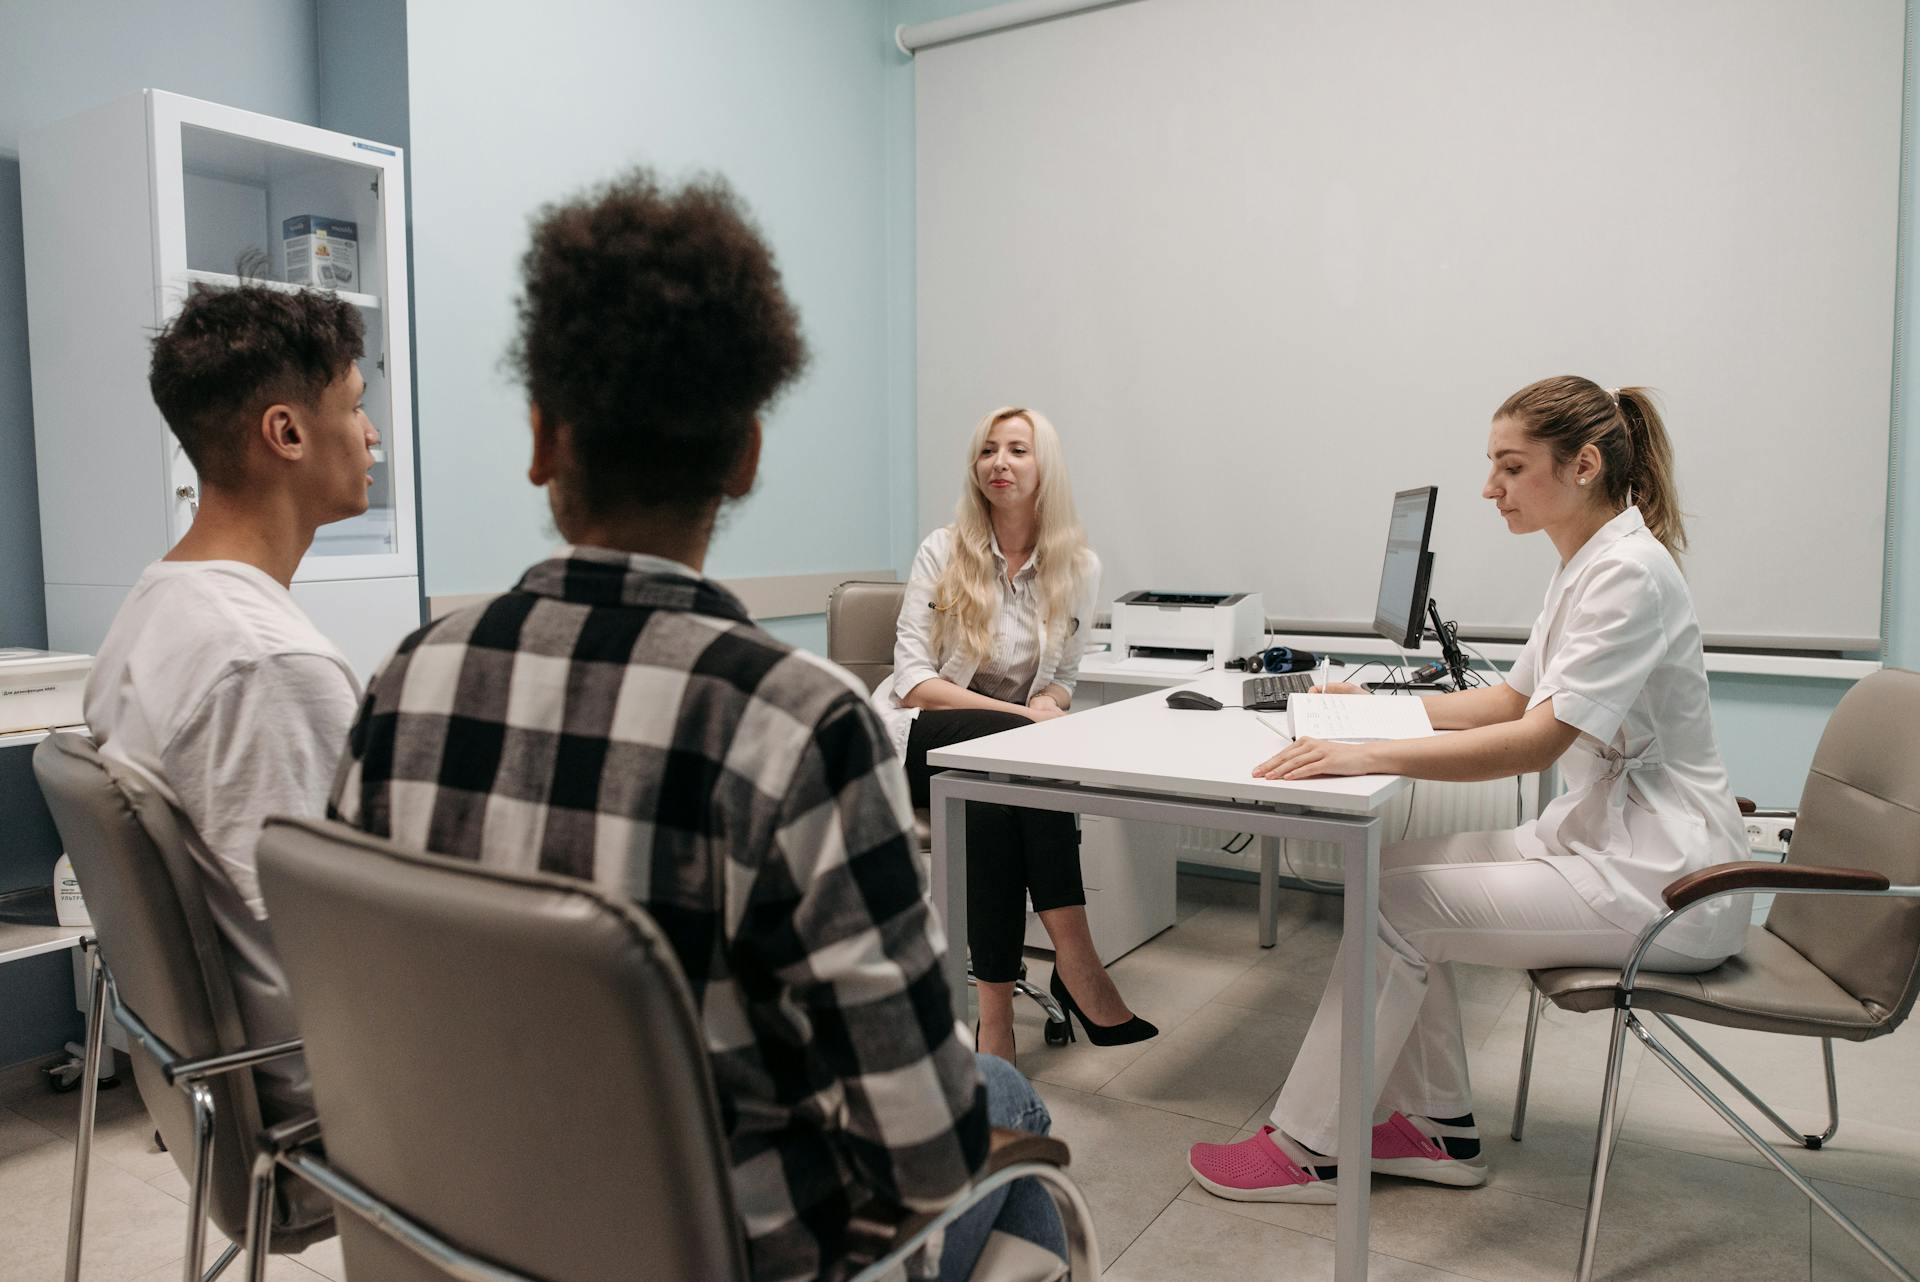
{"points": [[1057, 1032]]}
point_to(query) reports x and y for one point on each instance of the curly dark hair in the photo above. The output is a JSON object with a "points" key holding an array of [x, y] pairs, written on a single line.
{"points": [[233, 351], [653, 324]]}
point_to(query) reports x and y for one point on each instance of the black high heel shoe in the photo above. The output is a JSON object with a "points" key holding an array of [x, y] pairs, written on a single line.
{"points": [[1134, 1030]]}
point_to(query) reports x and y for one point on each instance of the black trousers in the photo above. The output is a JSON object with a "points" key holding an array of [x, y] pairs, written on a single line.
{"points": [[1011, 853]]}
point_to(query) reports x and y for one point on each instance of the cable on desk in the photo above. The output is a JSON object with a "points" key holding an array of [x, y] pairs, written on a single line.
{"points": [[1370, 663]]}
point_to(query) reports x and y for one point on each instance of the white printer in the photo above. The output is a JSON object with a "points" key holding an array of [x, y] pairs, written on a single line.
{"points": [[1212, 627], [41, 689]]}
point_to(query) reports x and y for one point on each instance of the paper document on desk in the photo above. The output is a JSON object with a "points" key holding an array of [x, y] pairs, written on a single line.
{"points": [[1148, 663], [1355, 718]]}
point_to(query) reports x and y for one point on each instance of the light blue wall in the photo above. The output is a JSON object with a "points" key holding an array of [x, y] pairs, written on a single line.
{"points": [[786, 102], [58, 57], [1768, 726]]}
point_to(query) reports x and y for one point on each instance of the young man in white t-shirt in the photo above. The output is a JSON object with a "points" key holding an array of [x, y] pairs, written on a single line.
{"points": [[212, 686]]}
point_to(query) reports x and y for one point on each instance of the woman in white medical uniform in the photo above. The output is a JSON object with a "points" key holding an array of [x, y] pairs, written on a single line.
{"points": [[1612, 686]]}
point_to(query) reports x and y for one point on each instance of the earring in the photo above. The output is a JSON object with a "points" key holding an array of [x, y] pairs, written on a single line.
{"points": [[1583, 480]]}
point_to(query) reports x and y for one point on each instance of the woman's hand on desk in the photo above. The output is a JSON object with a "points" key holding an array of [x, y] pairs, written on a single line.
{"points": [[1042, 708], [1338, 687], [1309, 758]]}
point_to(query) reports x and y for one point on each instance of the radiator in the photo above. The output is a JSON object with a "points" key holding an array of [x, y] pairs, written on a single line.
{"points": [[1429, 809]]}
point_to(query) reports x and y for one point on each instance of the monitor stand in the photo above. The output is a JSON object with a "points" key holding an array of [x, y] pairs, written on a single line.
{"points": [[1451, 657]]}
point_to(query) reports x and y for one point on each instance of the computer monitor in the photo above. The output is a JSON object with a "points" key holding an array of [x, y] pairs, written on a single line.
{"points": [[1400, 613]]}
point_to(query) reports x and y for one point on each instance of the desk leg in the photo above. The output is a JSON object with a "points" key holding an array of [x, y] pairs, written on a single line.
{"points": [[949, 881], [1269, 890], [1360, 857]]}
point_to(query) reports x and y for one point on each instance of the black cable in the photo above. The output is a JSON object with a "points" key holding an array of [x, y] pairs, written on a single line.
{"points": [[1245, 839], [1370, 663]]}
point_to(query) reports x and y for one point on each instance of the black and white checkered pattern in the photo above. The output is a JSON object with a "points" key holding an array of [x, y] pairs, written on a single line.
{"points": [[609, 721]]}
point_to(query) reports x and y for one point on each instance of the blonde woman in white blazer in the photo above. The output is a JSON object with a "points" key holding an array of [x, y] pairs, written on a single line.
{"points": [[1612, 686], [991, 632]]}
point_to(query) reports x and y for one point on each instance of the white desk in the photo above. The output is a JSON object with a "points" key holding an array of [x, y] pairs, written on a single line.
{"points": [[1140, 759]]}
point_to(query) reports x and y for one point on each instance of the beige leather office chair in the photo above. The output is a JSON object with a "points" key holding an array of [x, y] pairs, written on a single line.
{"points": [[862, 618], [1839, 955], [160, 967], [512, 1079]]}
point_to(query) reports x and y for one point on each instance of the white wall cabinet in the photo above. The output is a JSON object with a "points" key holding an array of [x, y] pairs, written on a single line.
{"points": [[123, 208]]}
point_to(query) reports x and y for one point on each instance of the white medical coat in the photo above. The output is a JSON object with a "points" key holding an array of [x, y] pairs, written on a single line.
{"points": [[1617, 650]]}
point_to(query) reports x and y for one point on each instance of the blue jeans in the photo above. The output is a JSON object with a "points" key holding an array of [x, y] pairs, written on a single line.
{"points": [[1021, 1208]]}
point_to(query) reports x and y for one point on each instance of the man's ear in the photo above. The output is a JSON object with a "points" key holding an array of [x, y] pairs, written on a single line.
{"points": [[746, 468], [545, 464], [280, 428]]}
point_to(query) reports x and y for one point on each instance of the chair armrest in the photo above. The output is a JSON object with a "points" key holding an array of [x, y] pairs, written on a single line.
{"points": [[1008, 1146], [1758, 875], [290, 1134], [878, 1228], [193, 1070]]}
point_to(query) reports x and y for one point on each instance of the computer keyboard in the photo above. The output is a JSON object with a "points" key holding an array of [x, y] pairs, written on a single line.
{"points": [[1269, 694]]}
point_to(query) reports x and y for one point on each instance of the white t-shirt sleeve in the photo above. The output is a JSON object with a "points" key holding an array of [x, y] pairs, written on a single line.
{"points": [[265, 740], [1613, 638]]}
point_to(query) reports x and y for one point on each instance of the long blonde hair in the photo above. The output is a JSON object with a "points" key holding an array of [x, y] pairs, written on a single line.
{"points": [[966, 598]]}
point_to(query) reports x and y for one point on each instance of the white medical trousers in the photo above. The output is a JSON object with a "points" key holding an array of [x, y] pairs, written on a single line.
{"points": [[1469, 897]]}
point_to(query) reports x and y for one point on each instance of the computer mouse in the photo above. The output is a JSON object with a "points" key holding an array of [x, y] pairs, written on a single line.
{"points": [[1193, 699]]}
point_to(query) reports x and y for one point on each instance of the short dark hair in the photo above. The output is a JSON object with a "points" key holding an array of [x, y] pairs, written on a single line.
{"points": [[234, 350], [654, 325]]}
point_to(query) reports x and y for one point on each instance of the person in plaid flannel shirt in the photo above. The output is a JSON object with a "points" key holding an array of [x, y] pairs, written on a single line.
{"points": [[617, 717]]}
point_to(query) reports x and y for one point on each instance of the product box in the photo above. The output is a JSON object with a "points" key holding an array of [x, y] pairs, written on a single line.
{"points": [[41, 689], [322, 251]]}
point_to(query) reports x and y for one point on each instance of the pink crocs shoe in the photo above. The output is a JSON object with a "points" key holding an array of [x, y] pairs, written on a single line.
{"points": [[1449, 1155], [1256, 1170]]}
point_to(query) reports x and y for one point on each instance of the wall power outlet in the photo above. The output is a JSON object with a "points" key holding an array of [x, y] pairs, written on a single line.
{"points": [[1769, 833]]}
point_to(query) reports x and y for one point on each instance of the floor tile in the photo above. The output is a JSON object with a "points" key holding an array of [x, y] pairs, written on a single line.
{"points": [[1217, 1065], [1665, 1113], [1171, 978], [1787, 1071], [18, 1134], [132, 1227], [1192, 1241], [1476, 1232], [1894, 1222], [172, 1183], [1129, 1160], [324, 1259], [1555, 1161], [122, 1131], [1671, 1215], [1080, 1064]]}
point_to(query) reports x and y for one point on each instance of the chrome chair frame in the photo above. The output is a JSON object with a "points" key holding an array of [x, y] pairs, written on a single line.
{"points": [[290, 1146], [190, 1076], [1627, 1021]]}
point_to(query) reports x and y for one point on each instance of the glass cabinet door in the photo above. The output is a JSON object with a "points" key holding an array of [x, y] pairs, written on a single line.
{"points": [[264, 201]]}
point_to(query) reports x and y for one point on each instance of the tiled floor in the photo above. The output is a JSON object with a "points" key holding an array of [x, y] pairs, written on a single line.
{"points": [[1688, 1200]]}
